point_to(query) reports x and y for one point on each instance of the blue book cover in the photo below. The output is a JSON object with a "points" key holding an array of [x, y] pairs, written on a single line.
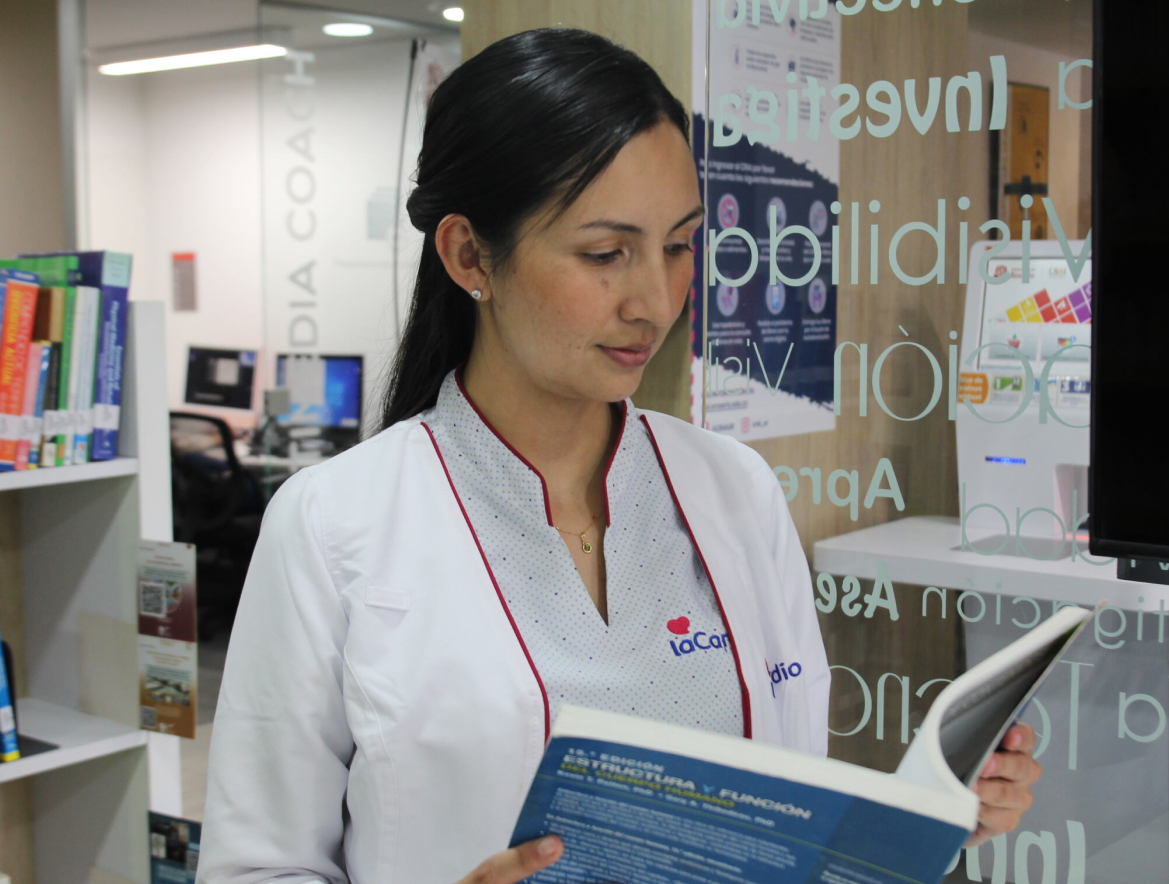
{"points": [[34, 449], [9, 747], [645, 802], [174, 849], [110, 273], [706, 811]]}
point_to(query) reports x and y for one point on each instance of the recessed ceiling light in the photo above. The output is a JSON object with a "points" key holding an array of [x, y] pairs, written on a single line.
{"points": [[193, 60], [348, 29], [453, 13]]}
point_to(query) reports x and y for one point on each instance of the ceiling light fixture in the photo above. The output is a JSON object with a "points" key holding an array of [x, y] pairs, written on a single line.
{"points": [[453, 13], [193, 59], [348, 29]]}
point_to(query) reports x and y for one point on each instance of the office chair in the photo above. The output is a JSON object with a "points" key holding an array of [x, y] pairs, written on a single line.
{"points": [[216, 506]]}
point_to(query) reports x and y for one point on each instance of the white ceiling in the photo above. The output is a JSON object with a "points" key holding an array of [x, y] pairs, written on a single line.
{"points": [[121, 22]]}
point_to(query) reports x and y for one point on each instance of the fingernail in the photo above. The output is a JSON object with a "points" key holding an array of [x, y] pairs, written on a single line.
{"points": [[546, 846], [991, 766]]}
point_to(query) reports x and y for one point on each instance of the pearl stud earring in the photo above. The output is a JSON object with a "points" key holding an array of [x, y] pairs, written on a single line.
{"points": [[476, 294]]}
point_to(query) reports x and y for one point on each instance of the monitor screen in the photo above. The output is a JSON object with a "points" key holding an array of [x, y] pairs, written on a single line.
{"points": [[326, 390], [1036, 318], [221, 378]]}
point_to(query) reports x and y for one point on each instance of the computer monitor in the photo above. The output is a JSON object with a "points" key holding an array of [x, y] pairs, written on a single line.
{"points": [[220, 378], [326, 390], [1025, 364]]}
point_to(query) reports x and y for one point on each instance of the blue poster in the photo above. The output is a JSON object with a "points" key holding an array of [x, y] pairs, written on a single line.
{"points": [[771, 186]]}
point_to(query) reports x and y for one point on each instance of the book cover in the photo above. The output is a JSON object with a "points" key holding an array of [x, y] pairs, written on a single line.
{"points": [[9, 745], [86, 371], [645, 802], [49, 418], [37, 424], [63, 417], [19, 310], [49, 326], [72, 378], [110, 273], [32, 380], [174, 849]]}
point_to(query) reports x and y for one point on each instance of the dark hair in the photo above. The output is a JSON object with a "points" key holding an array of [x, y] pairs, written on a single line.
{"points": [[536, 115]]}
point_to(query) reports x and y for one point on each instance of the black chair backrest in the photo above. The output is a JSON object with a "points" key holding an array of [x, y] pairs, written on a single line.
{"points": [[207, 480]]}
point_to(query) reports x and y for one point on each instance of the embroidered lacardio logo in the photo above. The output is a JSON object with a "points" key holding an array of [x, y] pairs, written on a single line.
{"points": [[700, 641], [781, 672]]}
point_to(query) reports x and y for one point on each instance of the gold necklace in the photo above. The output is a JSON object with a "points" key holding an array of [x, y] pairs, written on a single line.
{"points": [[584, 544]]}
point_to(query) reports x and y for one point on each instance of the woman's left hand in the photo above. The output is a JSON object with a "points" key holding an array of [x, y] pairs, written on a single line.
{"points": [[1005, 785]]}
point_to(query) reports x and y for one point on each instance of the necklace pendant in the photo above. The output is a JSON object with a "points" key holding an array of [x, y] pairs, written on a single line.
{"points": [[586, 546]]}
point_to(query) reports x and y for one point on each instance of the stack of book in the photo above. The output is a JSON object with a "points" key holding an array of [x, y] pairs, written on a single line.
{"points": [[62, 345]]}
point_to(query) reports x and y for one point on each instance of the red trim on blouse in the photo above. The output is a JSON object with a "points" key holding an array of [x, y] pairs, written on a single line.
{"points": [[498, 592], [612, 456], [734, 645], [523, 460]]}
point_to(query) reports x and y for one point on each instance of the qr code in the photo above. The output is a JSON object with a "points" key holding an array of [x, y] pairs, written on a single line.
{"points": [[152, 598], [149, 716]]}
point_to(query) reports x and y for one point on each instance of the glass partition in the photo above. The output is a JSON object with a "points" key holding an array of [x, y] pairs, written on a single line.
{"points": [[897, 314], [341, 117]]}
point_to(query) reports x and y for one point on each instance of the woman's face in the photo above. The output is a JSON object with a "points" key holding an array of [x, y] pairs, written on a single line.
{"points": [[591, 297]]}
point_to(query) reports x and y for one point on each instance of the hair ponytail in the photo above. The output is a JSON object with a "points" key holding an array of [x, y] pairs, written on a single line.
{"points": [[532, 119]]}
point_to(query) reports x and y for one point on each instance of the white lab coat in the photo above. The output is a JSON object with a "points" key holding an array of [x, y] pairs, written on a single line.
{"points": [[380, 720]]}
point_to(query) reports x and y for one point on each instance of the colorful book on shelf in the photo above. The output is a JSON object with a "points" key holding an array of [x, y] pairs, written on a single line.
{"points": [[110, 273], [33, 382], [37, 429], [59, 276], [20, 300], [90, 300]]}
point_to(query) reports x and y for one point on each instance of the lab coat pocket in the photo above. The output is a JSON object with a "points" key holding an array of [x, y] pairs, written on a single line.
{"points": [[395, 599]]}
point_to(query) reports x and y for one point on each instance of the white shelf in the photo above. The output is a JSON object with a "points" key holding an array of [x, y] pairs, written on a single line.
{"points": [[80, 737], [101, 469], [926, 551]]}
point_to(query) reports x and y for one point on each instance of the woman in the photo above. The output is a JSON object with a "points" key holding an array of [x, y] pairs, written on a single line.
{"points": [[519, 534]]}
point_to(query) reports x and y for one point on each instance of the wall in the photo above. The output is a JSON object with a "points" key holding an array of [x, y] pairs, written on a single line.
{"points": [[174, 166], [33, 219]]}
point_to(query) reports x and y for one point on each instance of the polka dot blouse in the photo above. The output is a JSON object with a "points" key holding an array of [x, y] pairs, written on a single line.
{"points": [[664, 653]]}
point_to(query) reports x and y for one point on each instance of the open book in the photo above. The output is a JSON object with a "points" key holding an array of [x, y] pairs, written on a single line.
{"points": [[645, 802]]}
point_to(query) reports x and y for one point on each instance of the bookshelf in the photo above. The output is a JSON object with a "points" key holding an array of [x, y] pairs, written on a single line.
{"points": [[68, 560]]}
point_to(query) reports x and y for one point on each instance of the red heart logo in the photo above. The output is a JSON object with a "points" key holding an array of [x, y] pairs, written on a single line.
{"points": [[679, 625]]}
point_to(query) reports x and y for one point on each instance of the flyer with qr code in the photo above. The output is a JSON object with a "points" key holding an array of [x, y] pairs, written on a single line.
{"points": [[167, 637]]}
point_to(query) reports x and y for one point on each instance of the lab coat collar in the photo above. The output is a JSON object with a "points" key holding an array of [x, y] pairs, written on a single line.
{"points": [[491, 453]]}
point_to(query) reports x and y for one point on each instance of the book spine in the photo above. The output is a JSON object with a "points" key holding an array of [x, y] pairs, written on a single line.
{"points": [[9, 747], [86, 372], [52, 393], [107, 400], [19, 309], [68, 377], [32, 378], [37, 430]]}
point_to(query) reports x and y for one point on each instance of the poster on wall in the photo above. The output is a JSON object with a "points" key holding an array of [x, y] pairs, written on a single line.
{"points": [[167, 637], [771, 185]]}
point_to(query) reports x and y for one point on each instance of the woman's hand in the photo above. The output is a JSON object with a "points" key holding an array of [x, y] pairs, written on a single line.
{"points": [[1005, 785], [516, 863]]}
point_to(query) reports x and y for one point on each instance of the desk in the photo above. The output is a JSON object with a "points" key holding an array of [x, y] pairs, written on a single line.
{"points": [[925, 551], [276, 462]]}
